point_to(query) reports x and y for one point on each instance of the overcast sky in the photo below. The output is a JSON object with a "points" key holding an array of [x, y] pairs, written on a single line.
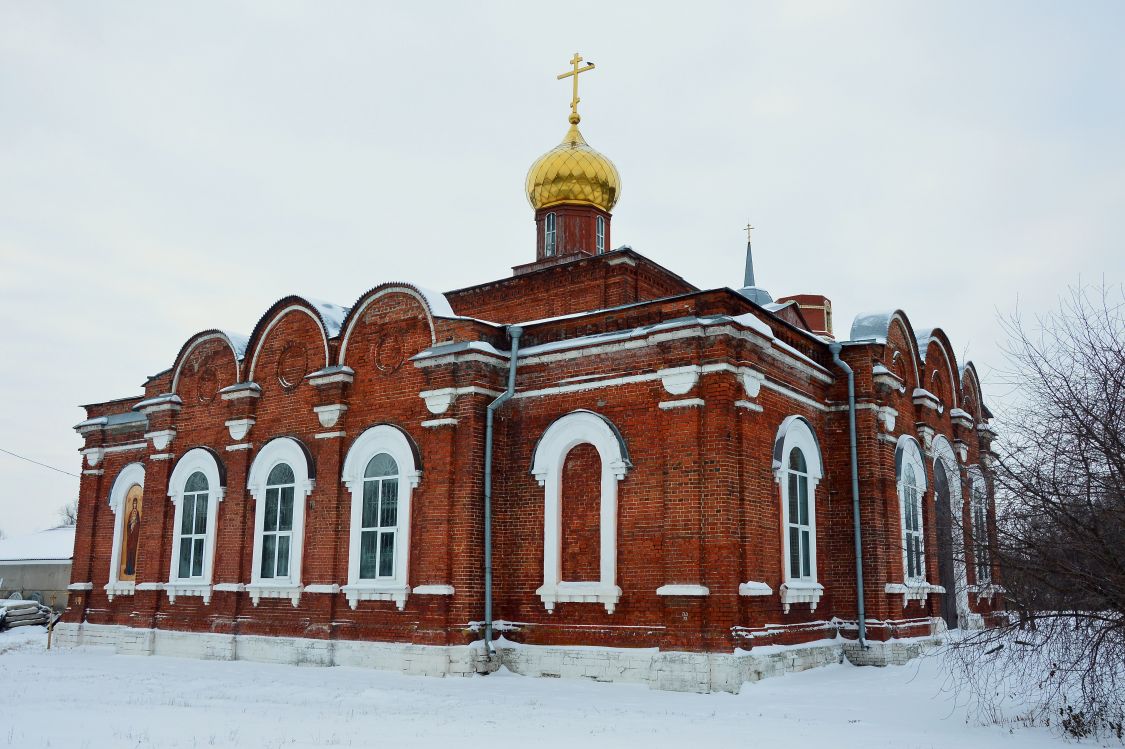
{"points": [[171, 167]]}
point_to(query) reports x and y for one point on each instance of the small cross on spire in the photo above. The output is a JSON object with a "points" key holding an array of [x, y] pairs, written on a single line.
{"points": [[749, 229], [575, 61]]}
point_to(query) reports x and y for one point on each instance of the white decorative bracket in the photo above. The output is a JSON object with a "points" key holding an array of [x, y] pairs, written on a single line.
{"points": [[800, 591], [887, 416], [751, 381], [679, 380], [161, 439], [927, 433], [239, 428], [913, 590], [330, 414], [93, 455]]}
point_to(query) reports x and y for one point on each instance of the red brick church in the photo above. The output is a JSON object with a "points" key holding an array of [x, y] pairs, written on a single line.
{"points": [[591, 468]]}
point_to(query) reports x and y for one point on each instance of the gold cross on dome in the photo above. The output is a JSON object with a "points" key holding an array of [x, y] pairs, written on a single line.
{"points": [[575, 61]]}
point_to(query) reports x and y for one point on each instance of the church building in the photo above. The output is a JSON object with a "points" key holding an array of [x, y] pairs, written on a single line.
{"points": [[590, 468]]}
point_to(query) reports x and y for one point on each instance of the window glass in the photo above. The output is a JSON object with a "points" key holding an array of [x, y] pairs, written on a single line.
{"points": [[379, 519], [277, 522], [600, 234], [912, 523], [193, 526], [281, 474], [799, 517], [381, 465], [549, 235], [197, 482]]}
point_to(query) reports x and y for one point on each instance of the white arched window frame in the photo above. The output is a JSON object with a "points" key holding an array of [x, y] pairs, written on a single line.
{"points": [[381, 439], [579, 428], [274, 453], [549, 235], [599, 234], [130, 476], [196, 460], [982, 562], [795, 433], [947, 457], [910, 479]]}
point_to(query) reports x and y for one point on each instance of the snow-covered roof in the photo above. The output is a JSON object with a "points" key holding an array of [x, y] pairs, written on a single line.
{"points": [[238, 342], [923, 338], [872, 326], [439, 305], [52, 545], [332, 314]]}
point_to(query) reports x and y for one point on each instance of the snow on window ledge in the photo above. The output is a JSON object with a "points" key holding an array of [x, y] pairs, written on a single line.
{"points": [[986, 591], [177, 588], [585, 592], [683, 590], [119, 588], [328, 588], [80, 586], [800, 591], [913, 590], [376, 592], [753, 588], [258, 591]]}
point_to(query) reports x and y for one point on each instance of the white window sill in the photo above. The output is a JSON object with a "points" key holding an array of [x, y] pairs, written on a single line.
{"points": [[986, 591], [912, 590], [433, 590], [229, 587], [800, 591], [683, 590], [80, 586], [753, 588], [177, 588], [376, 592], [589, 592], [260, 590], [327, 588], [119, 588]]}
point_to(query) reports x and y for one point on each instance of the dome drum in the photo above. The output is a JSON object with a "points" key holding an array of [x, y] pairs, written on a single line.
{"points": [[567, 228]]}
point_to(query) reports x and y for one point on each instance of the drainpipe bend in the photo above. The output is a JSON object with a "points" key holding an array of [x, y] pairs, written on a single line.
{"points": [[835, 348], [514, 331]]}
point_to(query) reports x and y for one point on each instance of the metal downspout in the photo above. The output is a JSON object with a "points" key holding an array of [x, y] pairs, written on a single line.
{"points": [[515, 332], [835, 348]]}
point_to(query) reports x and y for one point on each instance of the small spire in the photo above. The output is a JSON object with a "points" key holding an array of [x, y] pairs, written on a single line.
{"points": [[575, 61], [748, 280]]}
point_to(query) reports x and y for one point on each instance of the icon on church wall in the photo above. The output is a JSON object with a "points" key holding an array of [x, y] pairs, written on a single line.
{"points": [[130, 535]]}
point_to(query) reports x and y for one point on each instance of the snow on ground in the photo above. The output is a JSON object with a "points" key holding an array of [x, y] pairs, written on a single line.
{"points": [[89, 698]]}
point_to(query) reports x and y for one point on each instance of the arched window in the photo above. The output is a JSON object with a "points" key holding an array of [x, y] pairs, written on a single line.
{"points": [[549, 235], [570, 431], [380, 471], [277, 530], [798, 520], [126, 500], [196, 489], [379, 519], [911, 481], [982, 561], [950, 537], [600, 234], [280, 480], [798, 469], [193, 527]]}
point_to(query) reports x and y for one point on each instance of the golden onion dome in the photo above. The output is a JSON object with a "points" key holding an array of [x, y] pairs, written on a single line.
{"points": [[573, 172]]}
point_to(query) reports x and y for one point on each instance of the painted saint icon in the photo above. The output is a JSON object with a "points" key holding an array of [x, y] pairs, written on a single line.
{"points": [[130, 535]]}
